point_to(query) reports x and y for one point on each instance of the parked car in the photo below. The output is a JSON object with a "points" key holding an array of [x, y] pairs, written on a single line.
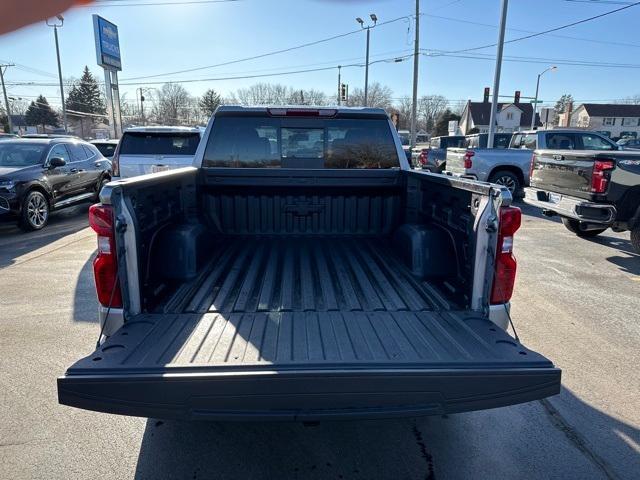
{"points": [[7, 136], [591, 191], [432, 158], [303, 271], [154, 149], [629, 143], [510, 166], [107, 147], [41, 175]]}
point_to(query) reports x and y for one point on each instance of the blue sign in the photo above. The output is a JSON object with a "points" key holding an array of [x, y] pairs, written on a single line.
{"points": [[107, 43]]}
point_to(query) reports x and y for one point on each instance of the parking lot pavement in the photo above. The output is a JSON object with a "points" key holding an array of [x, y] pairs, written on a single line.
{"points": [[577, 302]]}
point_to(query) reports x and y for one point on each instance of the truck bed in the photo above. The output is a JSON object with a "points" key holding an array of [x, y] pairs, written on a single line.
{"points": [[305, 274]]}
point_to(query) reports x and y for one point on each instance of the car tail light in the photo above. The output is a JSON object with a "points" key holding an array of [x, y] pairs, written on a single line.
{"points": [[105, 265], [600, 175], [468, 162], [531, 166], [424, 157], [506, 265]]}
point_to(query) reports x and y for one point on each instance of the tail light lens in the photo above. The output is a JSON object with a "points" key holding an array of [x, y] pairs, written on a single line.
{"points": [[531, 166], [468, 162], [600, 175], [424, 157], [105, 265], [115, 161], [506, 265]]}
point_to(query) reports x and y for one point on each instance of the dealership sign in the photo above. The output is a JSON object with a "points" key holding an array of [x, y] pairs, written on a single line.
{"points": [[107, 43]]}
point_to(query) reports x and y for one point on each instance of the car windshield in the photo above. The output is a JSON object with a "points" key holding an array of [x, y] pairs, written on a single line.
{"points": [[19, 154], [159, 143]]}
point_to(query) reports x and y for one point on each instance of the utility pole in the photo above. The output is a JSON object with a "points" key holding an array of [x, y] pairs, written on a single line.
{"points": [[414, 105], [4, 92], [496, 78], [55, 33], [339, 86], [374, 19]]}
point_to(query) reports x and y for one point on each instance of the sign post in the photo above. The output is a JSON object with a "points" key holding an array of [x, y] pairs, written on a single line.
{"points": [[108, 57]]}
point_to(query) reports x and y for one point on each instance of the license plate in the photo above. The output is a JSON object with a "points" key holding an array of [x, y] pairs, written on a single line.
{"points": [[554, 197], [159, 168]]}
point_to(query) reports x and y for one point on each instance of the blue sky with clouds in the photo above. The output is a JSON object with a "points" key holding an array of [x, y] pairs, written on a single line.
{"points": [[164, 38]]}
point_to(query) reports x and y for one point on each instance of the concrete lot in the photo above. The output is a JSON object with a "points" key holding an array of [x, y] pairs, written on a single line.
{"points": [[577, 302]]}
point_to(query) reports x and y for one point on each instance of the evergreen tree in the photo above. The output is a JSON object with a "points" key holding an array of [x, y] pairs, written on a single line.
{"points": [[442, 124], [85, 95], [41, 113], [209, 102]]}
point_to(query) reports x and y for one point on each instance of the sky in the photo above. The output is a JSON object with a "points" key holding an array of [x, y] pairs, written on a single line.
{"points": [[186, 34]]}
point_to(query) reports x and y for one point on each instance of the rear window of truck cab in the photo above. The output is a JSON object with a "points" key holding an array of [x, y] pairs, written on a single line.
{"points": [[159, 143], [265, 142]]}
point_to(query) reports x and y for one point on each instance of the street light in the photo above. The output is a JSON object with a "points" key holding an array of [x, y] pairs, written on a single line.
{"points": [[55, 26], [535, 101], [374, 19]]}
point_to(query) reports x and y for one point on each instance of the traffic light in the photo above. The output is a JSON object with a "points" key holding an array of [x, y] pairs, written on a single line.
{"points": [[142, 98], [486, 94], [516, 98], [344, 92]]}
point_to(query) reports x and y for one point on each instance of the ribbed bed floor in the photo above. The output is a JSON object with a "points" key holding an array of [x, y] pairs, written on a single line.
{"points": [[318, 274]]}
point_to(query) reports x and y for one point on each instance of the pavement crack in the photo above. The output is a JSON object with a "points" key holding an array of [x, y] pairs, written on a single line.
{"points": [[578, 441], [424, 453]]}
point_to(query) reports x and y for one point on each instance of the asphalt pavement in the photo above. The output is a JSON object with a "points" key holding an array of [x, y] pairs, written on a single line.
{"points": [[577, 302]]}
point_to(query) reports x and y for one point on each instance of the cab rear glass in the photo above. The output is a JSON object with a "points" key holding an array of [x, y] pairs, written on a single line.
{"points": [[159, 143], [265, 142]]}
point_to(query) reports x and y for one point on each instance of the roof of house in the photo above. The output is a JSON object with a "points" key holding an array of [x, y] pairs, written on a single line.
{"points": [[481, 112], [612, 110]]}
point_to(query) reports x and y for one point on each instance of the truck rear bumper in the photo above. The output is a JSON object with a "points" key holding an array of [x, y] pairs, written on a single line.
{"points": [[307, 396], [571, 207]]}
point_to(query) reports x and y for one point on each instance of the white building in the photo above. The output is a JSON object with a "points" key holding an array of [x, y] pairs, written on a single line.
{"points": [[511, 117], [611, 119]]}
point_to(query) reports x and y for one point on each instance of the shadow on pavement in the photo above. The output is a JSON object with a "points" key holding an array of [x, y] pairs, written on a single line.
{"points": [[85, 303], [535, 212], [532, 440], [15, 243]]}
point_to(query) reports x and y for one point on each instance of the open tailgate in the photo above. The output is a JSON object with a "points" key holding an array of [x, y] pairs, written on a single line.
{"points": [[306, 366]]}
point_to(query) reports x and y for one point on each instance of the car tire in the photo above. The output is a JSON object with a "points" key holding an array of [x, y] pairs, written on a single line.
{"points": [[575, 226], [101, 183], [35, 211], [635, 239], [506, 179]]}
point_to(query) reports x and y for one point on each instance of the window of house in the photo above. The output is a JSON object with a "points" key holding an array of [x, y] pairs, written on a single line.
{"points": [[609, 121], [509, 115], [629, 122]]}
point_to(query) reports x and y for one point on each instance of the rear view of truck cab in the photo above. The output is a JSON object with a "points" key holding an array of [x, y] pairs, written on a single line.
{"points": [[303, 272]]}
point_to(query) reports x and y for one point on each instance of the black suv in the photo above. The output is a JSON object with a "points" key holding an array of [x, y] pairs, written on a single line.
{"points": [[45, 174]]}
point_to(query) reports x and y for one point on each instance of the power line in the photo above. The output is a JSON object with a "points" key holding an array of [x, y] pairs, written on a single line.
{"points": [[263, 55], [555, 29]]}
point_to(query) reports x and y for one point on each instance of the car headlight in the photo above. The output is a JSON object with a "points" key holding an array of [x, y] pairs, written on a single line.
{"points": [[7, 184]]}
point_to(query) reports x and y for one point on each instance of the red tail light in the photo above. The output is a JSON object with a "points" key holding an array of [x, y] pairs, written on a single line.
{"points": [[468, 163], [105, 265], [600, 175], [424, 157], [506, 265]]}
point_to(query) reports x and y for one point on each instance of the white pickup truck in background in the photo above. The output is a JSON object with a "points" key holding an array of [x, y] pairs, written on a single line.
{"points": [[154, 149], [510, 167]]}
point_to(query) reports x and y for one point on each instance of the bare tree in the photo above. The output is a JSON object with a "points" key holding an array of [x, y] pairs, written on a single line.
{"points": [[404, 110], [430, 107], [307, 97], [632, 100], [172, 100], [379, 96]]}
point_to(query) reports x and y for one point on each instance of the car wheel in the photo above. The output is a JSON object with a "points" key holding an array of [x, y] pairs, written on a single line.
{"points": [[635, 239], [577, 227], [35, 211], [506, 179], [103, 181]]}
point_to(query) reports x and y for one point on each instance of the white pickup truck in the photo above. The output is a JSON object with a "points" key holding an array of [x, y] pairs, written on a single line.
{"points": [[510, 166], [303, 271]]}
